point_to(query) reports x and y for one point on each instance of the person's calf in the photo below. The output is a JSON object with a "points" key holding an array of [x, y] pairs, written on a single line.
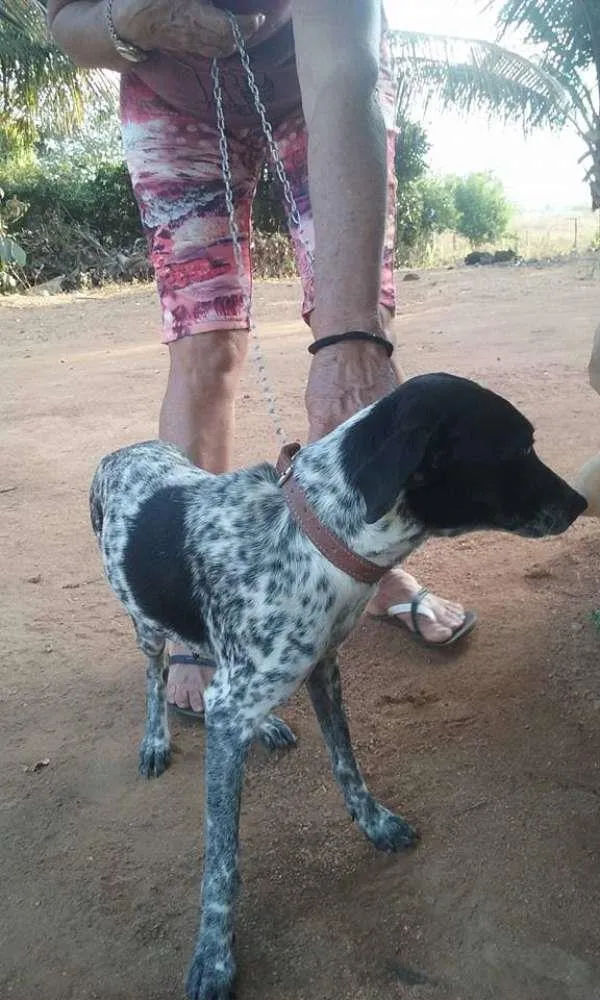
{"points": [[198, 416], [198, 409]]}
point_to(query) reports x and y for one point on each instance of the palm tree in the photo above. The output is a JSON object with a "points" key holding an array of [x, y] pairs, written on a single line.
{"points": [[40, 88], [558, 84]]}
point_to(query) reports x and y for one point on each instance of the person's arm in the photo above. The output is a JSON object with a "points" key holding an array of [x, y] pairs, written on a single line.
{"points": [[337, 53], [79, 28]]}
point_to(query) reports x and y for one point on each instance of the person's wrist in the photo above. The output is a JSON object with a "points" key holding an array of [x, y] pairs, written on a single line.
{"points": [[127, 23], [352, 338], [353, 353]]}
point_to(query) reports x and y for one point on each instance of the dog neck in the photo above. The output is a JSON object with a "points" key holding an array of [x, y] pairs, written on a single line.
{"points": [[319, 471]]}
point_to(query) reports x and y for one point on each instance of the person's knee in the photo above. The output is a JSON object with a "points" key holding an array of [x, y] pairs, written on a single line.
{"points": [[209, 364]]}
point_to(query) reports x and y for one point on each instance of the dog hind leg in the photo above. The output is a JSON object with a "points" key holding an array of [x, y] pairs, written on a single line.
{"points": [[385, 830], [155, 748]]}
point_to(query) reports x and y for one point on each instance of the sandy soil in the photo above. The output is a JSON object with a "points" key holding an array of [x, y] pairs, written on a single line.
{"points": [[493, 749]]}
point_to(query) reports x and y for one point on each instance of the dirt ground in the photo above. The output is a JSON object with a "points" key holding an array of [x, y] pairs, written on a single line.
{"points": [[493, 749]]}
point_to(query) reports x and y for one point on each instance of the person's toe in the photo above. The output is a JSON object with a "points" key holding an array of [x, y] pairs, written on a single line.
{"points": [[184, 687], [448, 614], [433, 631], [195, 698]]}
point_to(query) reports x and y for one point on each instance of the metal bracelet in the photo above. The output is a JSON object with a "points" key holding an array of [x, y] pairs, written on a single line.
{"points": [[127, 50]]}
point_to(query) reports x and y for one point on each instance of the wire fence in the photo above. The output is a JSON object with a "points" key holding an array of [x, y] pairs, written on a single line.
{"points": [[531, 236]]}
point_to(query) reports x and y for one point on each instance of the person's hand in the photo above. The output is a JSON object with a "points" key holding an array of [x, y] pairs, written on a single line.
{"points": [[342, 380], [180, 26]]}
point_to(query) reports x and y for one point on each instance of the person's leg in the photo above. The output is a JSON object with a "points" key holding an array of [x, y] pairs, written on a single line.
{"points": [[174, 163], [398, 587], [197, 415]]}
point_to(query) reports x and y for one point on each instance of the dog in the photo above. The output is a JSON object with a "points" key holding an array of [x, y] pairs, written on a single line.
{"points": [[222, 564]]}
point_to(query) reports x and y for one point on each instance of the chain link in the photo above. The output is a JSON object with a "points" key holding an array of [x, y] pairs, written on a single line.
{"points": [[292, 208], [293, 215], [245, 283]]}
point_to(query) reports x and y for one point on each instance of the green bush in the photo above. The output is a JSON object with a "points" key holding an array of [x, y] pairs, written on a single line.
{"points": [[483, 213], [425, 207], [84, 227], [82, 221], [12, 254], [104, 203], [272, 255]]}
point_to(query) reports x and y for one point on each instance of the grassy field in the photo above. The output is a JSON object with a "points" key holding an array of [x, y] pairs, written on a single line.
{"points": [[531, 235]]}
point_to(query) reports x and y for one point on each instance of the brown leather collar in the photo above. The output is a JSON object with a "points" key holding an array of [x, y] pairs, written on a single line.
{"points": [[328, 544]]}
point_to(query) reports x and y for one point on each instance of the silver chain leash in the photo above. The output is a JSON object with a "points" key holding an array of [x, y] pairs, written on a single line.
{"points": [[259, 360], [293, 214], [292, 208]]}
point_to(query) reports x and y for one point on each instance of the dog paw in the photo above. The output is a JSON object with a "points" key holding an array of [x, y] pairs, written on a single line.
{"points": [[210, 979], [274, 734], [155, 757], [388, 832]]}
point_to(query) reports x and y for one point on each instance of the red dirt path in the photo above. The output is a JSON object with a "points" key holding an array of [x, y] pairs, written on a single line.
{"points": [[493, 749]]}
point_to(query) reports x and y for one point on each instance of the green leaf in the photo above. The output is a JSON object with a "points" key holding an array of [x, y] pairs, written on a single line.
{"points": [[11, 252], [468, 74], [40, 88]]}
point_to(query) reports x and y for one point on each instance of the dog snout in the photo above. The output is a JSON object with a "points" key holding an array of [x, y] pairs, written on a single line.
{"points": [[578, 504], [558, 512], [570, 506]]}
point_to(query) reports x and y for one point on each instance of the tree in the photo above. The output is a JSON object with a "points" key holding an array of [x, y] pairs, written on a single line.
{"points": [[482, 211], [40, 88], [424, 204], [558, 84]]}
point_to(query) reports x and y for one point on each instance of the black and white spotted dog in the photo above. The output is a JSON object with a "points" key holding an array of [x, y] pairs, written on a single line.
{"points": [[219, 563]]}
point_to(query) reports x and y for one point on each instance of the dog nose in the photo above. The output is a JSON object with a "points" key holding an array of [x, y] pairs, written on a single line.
{"points": [[579, 503], [571, 505], [582, 504]]}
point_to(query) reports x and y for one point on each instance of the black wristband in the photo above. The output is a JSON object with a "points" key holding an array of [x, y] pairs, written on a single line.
{"points": [[337, 338]]}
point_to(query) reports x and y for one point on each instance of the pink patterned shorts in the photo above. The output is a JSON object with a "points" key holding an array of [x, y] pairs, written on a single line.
{"points": [[175, 167]]}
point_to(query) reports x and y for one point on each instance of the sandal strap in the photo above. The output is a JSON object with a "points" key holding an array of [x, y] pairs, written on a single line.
{"points": [[413, 608], [190, 659]]}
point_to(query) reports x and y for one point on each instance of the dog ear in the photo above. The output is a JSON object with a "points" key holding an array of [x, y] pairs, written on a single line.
{"points": [[381, 452]]}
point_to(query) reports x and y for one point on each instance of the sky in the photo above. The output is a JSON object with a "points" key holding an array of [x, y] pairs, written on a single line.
{"points": [[539, 172]]}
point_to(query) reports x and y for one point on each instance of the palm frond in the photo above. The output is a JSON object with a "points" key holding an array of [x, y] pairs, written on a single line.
{"points": [[569, 30], [470, 74], [39, 85]]}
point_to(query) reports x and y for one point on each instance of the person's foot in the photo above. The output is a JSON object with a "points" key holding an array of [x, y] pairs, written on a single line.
{"points": [[187, 682], [441, 619]]}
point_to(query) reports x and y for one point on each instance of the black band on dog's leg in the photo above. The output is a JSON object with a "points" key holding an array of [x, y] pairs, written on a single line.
{"points": [[339, 338]]}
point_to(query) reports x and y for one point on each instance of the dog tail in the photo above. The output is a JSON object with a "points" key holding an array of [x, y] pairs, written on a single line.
{"points": [[96, 508]]}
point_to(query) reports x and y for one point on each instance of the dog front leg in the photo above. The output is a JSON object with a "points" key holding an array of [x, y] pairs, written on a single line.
{"points": [[385, 830], [213, 968]]}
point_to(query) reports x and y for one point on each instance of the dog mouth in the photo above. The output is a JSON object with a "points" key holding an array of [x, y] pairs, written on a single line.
{"points": [[552, 521]]}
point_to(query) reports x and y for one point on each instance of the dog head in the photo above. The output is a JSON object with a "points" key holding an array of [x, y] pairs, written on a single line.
{"points": [[455, 457]]}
